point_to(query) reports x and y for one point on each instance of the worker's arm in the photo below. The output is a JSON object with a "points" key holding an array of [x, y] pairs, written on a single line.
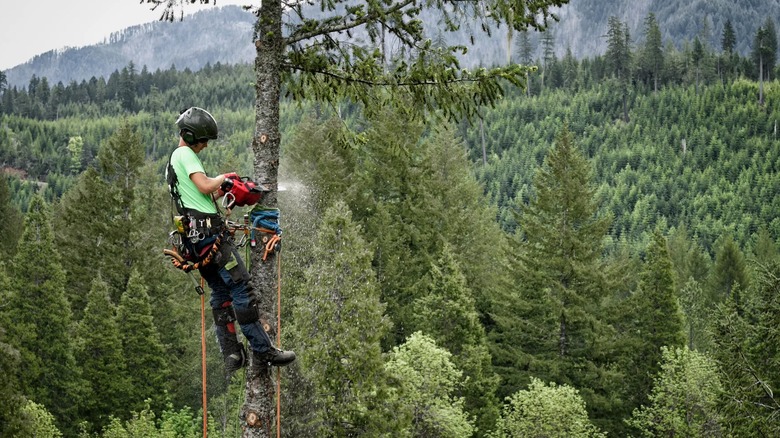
{"points": [[205, 184]]}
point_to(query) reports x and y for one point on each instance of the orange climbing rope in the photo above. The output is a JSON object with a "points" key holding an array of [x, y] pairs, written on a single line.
{"points": [[278, 340], [203, 357]]}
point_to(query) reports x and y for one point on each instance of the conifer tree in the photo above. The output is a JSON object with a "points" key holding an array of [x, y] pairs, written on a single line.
{"points": [[142, 350], [100, 356], [552, 326], [764, 53], [105, 240], [547, 41], [748, 371], [11, 223], [412, 197], [40, 321], [86, 247], [728, 272], [657, 321], [120, 159], [524, 52], [653, 56], [764, 314], [697, 308], [11, 398], [618, 57], [446, 312], [728, 45], [689, 259], [764, 249], [339, 324]]}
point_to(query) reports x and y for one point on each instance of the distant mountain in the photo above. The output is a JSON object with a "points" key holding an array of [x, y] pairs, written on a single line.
{"points": [[225, 35], [218, 35]]}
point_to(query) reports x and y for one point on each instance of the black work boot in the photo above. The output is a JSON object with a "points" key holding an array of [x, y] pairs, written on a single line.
{"points": [[233, 351], [235, 361], [274, 357]]}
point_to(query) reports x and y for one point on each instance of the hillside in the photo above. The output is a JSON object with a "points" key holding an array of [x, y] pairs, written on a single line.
{"points": [[224, 35]]}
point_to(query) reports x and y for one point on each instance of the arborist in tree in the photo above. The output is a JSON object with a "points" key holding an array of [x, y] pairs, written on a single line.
{"points": [[207, 244]]}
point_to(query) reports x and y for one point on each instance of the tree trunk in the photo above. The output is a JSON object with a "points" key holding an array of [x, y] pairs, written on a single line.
{"points": [[563, 340], [760, 79], [625, 105], [258, 410], [484, 148]]}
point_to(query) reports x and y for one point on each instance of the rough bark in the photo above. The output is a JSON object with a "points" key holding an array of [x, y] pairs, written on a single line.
{"points": [[258, 412]]}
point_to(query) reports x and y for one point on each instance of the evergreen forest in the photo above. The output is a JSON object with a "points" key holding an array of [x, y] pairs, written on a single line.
{"points": [[595, 255]]}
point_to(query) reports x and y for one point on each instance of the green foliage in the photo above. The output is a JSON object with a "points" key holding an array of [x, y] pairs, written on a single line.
{"points": [[552, 326], [142, 351], [655, 322], [704, 162], [40, 422], [746, 350], [651, 60], [729, 273], [40, 322], [445, 311], [11, 224], [11, 399], [684, 398], [546, 411], [101, 358], [105, 240], [145, 424], [697, 308], [425, 383], [339, 324], [76, 149], [764, 53]]}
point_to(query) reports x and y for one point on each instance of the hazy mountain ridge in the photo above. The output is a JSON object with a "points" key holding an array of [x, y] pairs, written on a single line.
{"points": [[225, 35], [220, 35]]}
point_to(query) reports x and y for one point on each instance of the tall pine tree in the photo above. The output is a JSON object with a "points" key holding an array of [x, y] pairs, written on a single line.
{"points": [[104, 238], [655, 322], [40, 321], [100, 355], [653, 55], [142, 350], [338, 326], [445, 311], [552, 326], [729, 272], [11, 398], [11, 223]]}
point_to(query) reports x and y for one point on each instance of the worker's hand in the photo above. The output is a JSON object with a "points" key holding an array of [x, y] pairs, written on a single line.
{"points": [[228, 183]]}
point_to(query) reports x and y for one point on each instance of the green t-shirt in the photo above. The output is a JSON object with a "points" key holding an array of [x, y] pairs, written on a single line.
{"points": [[185, 162]]}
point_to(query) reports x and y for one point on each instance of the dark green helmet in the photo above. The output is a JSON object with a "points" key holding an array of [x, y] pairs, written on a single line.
{"points": [[196, 124]]}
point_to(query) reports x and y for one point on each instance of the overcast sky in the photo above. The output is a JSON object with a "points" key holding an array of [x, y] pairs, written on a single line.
{"points": [[32, 27]]}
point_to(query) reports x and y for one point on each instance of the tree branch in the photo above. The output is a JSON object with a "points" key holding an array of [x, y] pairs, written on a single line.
{"points": [[359, 21]]}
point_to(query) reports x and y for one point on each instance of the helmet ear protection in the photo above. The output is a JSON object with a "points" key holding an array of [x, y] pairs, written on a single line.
{"points": [[196, 124], [188, 137]]}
